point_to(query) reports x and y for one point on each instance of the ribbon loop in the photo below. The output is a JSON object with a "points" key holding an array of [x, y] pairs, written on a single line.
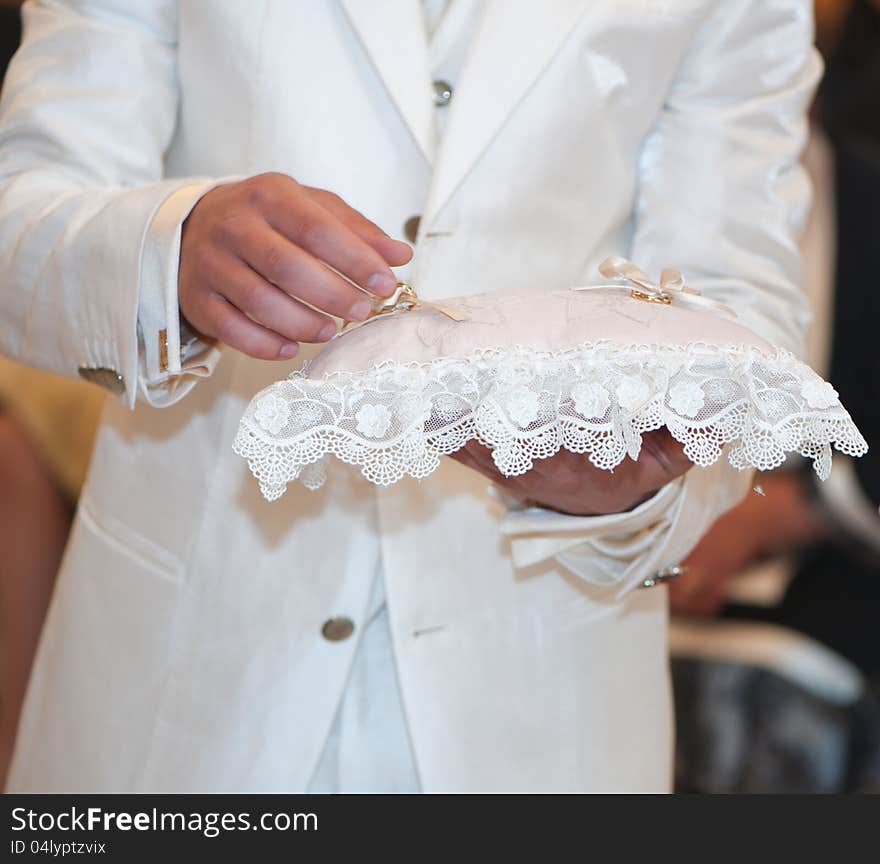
{"points": [[670, 289]]}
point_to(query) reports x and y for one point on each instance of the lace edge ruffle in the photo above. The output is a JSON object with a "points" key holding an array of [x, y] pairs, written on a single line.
{"points": [[416, 451]]}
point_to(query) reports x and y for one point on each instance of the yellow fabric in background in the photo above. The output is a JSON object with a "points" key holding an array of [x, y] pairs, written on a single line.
{"points": [[60, 417]]}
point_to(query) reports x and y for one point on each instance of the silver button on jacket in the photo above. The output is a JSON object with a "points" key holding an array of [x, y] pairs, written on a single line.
{"points": [[442, 93]]}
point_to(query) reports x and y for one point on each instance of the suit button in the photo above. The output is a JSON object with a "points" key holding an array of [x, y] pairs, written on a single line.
{"points": [[337, 629], [411, 228], [441, 92]]}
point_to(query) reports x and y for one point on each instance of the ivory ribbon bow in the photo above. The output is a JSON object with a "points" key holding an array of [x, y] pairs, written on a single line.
{"points": [[670, 289]]}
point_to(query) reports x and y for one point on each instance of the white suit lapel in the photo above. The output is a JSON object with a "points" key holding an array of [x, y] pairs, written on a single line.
{"points": [[392, 33], [514, 43]]}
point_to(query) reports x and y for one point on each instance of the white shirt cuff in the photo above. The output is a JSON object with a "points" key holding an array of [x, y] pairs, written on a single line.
{"points": [[624, 549], [172, 357], [597, 548]]}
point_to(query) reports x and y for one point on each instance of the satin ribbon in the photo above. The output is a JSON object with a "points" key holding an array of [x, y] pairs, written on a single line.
{"points": [[670, 289], [403, 299]]}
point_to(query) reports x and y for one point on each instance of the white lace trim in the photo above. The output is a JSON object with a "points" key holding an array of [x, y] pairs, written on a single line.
{"points": [[395, 420]]}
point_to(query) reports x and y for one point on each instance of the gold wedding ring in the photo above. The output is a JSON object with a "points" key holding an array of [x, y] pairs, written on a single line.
{"points": [[403, 298], [664, 299]]}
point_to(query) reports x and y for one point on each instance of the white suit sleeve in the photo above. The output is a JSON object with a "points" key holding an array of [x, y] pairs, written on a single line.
{"points": [[723, 198], [88, 109]]}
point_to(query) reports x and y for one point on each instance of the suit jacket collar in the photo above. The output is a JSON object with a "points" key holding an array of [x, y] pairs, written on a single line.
{"points": [[514, 42], [392, 33]]}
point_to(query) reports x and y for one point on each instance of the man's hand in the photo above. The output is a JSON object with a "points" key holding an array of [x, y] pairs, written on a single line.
{"points": [[736, 541], [780, 520], [252, 265], [571, 483]]}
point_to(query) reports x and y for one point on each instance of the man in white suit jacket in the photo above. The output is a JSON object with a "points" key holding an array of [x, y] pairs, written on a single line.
{"points": [[201, 639]]}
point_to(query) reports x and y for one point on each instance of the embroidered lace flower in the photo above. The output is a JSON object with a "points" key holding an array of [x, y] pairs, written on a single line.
{"points": [[632, 393], [590, 399], [818, 393], [687, 398], [522, 406], [373, 420], [272, 413]]}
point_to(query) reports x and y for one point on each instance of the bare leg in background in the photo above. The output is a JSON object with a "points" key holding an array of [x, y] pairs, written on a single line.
{"points": [[35, 520]]}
